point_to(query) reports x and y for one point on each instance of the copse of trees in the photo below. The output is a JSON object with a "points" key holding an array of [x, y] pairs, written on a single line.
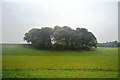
{"points": [[61, 38], [109, 44]]}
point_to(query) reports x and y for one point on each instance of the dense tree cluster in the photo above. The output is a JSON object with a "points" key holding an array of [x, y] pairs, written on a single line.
{"points": [[109, 44], [118, 44], [61, 38]]}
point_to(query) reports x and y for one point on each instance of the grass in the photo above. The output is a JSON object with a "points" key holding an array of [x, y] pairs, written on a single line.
{"points": [[30, 63], [59, 74]]}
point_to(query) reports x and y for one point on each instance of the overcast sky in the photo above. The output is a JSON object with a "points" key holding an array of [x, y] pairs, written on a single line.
{"points": [[98, 16]]}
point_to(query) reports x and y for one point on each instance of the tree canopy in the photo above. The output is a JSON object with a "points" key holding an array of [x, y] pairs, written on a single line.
{"points": [[109, 44], [61, 38]]}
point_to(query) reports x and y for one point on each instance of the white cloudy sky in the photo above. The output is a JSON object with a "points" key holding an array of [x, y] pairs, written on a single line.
{"points": [[98, 16]]}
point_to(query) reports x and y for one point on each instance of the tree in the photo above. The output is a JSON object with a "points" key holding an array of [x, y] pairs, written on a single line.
{"points": [[109, 44], [61, 38], [85, 39], [118, 44], [39, 38]]}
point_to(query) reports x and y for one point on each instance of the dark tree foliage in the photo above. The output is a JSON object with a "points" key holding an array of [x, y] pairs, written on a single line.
{"points": [[118, 44], [61, 38], [109, 44], [40, 38]]}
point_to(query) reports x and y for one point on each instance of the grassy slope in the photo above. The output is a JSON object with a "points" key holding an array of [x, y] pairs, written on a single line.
{"points": [[101, 62]]}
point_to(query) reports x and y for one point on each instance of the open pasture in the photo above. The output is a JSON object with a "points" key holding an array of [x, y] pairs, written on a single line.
{"points": [[30, 63]]}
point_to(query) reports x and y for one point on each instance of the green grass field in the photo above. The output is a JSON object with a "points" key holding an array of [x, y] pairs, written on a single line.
{"points": [[23, 62]]}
